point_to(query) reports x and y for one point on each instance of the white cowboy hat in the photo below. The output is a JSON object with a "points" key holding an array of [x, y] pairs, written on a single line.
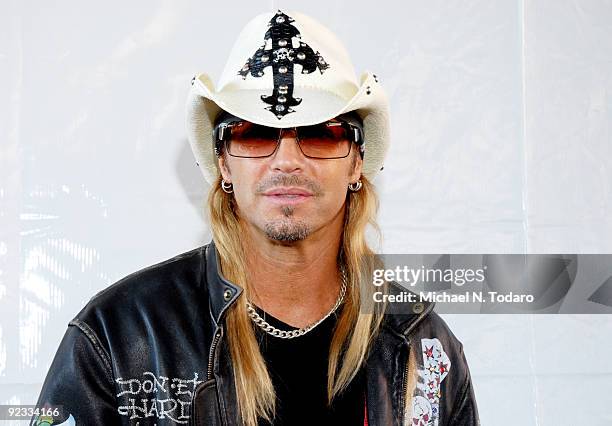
{"points": [[287, 70]]}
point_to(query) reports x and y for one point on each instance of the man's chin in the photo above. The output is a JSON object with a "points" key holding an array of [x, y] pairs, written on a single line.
{"points": [[287, 231]]}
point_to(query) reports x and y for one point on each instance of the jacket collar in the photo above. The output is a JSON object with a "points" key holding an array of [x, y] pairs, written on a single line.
{"points": [[223, 293], [404, 318]]}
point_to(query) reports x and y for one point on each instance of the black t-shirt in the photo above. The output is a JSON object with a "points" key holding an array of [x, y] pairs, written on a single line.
{"points": [[298, 368]]}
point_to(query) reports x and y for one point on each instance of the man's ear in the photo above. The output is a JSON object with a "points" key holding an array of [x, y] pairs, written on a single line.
{"points": [[356, 166], [224, 168]]}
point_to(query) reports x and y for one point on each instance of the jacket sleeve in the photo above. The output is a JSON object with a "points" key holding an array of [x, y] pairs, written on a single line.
{"points": [[79, 382], [465, 410]]}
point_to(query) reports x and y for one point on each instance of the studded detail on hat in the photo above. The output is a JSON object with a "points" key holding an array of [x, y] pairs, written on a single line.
{"points": [[282, 57]]}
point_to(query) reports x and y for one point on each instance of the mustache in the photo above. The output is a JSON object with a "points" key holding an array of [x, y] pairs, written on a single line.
{"points": [[288, 180]]}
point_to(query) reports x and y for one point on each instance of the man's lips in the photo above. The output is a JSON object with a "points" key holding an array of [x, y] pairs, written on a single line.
{"points": [[288, 191], [287, 195]]}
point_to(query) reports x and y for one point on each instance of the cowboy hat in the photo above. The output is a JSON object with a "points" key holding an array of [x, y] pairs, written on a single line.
{"points": [[287, 70]]}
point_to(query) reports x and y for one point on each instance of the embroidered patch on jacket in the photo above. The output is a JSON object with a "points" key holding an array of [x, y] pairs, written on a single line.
{"points": [[48, 421], [282, 56], [156, 397], [426, 399]]}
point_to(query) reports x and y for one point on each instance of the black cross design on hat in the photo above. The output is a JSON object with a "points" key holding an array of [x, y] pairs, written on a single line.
{"points": [[282, 57]]}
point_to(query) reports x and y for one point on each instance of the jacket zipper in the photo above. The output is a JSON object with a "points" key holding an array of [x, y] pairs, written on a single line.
{"points": [[211, 354], [405, 389]]}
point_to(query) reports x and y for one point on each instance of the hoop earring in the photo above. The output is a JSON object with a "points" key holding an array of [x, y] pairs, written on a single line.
{"points": [[226, 186], [355, 186]]}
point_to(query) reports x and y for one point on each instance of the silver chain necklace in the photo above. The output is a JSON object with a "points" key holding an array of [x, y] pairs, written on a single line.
{"points": [[290, 334]]}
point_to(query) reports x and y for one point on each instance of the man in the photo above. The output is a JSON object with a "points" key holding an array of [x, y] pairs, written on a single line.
{"points": [[270, 323]]}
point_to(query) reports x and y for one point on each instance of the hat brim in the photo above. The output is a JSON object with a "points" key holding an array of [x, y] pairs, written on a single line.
{"points": [[204, 104]]}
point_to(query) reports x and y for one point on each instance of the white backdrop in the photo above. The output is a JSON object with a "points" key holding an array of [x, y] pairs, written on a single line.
{"points": [[501, 143]]}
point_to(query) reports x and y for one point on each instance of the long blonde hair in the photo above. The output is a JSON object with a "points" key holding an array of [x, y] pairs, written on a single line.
{"points": [[358, 323]]}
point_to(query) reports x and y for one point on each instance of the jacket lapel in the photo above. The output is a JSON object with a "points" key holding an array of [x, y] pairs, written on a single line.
{"points": [[386, 366]]}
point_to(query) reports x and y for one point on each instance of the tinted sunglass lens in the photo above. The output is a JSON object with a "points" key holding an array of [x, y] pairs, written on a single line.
{"points": [[252, 140], [325, 141]]}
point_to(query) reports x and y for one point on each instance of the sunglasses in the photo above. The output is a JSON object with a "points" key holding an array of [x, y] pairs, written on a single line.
{"points": [[328, 140]]}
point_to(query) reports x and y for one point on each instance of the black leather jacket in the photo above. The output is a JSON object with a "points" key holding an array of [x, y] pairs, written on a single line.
{"points": [[150, 350]]}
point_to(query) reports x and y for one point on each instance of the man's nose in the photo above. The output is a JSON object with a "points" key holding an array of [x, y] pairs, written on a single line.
{"points": [[288, 156]]}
